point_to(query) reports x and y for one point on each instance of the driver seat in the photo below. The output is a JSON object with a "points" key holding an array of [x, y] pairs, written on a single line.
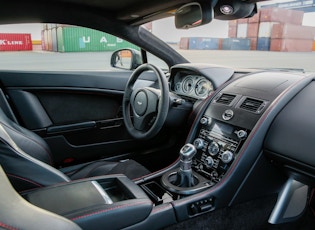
{"points": [[27, 160]]}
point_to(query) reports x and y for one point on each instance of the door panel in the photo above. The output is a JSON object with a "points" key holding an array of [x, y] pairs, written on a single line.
{"points": [[73, 107], [78, 114]]}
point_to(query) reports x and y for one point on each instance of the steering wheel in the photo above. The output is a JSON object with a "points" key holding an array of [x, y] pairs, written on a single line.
{"points": [[145, 109]]}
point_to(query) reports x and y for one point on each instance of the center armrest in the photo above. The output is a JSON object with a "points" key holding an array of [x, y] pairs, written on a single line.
{"points": [[96, 203]]}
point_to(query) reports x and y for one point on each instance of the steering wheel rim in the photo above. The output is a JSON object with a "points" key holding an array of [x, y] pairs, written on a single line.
{"points": [[136, 98]]}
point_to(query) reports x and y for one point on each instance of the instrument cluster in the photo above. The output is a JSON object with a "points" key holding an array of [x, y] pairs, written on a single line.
{"points": [[194, 86]]}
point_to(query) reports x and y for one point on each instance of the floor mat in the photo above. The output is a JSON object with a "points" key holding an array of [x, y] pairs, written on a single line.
{"points": [[246, 216]]}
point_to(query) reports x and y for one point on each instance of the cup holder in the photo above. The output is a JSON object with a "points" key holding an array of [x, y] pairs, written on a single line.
{"points": [[169, 181]]}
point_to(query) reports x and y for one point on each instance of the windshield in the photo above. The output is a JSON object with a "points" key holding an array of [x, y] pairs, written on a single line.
{"points": [[280, 35]]}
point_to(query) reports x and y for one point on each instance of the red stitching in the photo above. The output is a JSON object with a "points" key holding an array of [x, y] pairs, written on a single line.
{"points": [[312, 196], [21, 178], [109, 209], [155, 210], [7, 226]]}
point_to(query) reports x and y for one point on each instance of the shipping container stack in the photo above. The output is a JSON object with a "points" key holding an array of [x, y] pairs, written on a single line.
{"points": [[292, 38], [65, 38], [232, 29], [184, 43], [252, 30], [272, 29], [239, 41], [15, 42], [280, 30], [200, 43], [283, 28], [237, 36]]}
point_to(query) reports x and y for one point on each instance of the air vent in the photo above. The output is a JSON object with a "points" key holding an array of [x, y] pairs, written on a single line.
{"points": [[226, 99], [252, 105]]}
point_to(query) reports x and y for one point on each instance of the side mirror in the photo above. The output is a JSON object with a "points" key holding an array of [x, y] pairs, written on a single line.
{"points": [[128, 59], [193, 14]]}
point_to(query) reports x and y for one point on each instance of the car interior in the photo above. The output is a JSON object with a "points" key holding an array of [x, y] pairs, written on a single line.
{"points": [[194, 146]]}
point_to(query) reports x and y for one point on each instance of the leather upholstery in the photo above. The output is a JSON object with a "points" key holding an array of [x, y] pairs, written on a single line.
{"points": [[17, 213], [27, 160]]}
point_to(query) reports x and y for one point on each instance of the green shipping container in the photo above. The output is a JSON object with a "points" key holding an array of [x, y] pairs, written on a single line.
{"points": [[78, 39]]}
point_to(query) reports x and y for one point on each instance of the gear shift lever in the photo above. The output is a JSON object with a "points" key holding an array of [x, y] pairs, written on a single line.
{"points": [[187, 152], [184, 180], [184, 175]]}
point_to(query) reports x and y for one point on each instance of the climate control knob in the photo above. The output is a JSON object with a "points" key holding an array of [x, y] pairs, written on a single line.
{"points": [[204, 121], [227, 157], [209, 162], [199, 143], [214, 148], [241, 134]]}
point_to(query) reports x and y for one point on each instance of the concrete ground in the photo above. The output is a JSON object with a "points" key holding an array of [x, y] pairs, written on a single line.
{"points": [[39, 60]]}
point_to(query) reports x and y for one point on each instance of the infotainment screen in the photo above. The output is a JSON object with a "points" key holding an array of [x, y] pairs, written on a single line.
{"points": [[222, 128]]}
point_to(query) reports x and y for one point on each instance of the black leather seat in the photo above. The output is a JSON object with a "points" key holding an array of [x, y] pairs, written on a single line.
{"points": [[27, 160]]}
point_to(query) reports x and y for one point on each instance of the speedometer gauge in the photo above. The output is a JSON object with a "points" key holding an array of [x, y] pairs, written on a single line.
{"points": [[187, 85], [203, 88]]}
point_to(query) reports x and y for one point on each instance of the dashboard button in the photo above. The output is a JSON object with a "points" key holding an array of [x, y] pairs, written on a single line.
{"points": [[214, 148], [241, 134], [199, 143], [227, 157], [204, 121], [209, 162]]}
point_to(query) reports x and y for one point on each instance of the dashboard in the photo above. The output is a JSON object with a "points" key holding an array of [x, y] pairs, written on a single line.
{"points": [[231, 118], [244, 115], [252, 136]]}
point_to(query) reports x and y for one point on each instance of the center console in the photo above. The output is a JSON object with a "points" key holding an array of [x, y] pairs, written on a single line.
{"points": [[216, 147], [218, 144]]}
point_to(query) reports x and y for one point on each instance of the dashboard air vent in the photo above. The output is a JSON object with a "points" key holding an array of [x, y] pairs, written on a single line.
{"points": [[226, 99], [252, 105]]}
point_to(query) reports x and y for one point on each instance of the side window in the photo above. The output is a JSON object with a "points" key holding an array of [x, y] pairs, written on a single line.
{"points": [[79, 39], [64, 47], [57, 47]]}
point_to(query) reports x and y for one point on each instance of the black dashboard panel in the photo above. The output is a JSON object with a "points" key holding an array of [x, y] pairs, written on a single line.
{"points": [[231, 116], [291, 138], [250, 96]]}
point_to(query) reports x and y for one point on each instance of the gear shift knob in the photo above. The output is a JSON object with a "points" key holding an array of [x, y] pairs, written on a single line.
{"points": [[187, 152]]}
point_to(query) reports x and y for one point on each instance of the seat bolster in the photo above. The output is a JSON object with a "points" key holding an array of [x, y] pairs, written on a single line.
{"points": [[17, 213], [24, 171], [29, 142]]}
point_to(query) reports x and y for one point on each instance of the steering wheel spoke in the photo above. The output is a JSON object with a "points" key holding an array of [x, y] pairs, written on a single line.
{"points": [[149, 105], [139, 123]]}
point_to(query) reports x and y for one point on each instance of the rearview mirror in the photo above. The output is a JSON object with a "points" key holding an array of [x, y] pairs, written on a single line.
{"points": [[128, 59], [194, 14]]}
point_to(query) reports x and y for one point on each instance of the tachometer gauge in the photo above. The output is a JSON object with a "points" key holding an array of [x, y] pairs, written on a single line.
{"points": [[178, 87], [188, 85], [203, 88]]}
